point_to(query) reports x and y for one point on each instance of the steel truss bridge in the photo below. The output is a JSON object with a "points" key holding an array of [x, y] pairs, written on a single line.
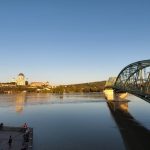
{"points": [[135, 79]]}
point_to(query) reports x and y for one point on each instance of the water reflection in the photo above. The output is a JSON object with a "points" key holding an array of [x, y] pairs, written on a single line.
{"points": [[19, 102], [119, 105], [22, 99], [135, 136]]}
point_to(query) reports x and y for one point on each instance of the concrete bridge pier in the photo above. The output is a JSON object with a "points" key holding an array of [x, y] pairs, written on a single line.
{"points": [[111, 95]]}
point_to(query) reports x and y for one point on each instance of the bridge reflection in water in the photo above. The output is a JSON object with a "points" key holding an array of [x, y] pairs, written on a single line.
{"points": [[135, 136]]}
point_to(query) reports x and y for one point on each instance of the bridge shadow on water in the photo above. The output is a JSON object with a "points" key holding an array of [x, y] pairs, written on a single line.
{"points": [[134, 135]]}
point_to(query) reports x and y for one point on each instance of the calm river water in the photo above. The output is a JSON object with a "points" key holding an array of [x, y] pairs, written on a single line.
{"points": [[75, 121]]}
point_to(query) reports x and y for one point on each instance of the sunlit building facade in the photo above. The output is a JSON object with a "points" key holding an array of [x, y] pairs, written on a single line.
{"points": [[39, 84], [21, 79]]}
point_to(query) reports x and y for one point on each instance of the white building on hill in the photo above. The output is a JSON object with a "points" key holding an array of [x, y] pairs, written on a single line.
{"points": [[21, 79]]}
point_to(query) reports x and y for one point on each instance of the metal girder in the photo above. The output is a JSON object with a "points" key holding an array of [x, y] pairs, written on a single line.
{"points": [[135, 79]]}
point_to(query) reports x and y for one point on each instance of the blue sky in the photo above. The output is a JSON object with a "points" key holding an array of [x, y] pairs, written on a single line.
{"points": [[72, 41]]}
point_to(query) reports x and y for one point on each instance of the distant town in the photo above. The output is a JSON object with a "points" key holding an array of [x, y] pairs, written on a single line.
{"points": [[20, 84]]}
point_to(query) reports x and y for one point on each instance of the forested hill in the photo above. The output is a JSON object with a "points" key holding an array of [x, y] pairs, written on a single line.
{"points": [[85, 87]]}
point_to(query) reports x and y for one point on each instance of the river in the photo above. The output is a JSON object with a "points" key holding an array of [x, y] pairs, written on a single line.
{"points": [[77, 121]]}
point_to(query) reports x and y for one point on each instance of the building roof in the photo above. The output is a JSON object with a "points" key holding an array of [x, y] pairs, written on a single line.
{"points": [[21, 74]]}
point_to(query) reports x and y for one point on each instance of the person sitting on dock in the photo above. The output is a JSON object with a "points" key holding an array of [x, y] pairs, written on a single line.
{"points": [[27, 131], [25, 127]]}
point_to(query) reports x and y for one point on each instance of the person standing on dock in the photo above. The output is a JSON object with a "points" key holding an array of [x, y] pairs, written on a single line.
{"points": [[1, 126], [10, 141], [25, 127]]}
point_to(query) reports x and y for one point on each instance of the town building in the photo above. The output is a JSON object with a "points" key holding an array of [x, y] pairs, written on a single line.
{"points": [[21, 79], [39, 84]]}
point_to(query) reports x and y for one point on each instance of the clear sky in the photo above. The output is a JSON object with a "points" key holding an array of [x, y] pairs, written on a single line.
{"points": [[72, 41]]}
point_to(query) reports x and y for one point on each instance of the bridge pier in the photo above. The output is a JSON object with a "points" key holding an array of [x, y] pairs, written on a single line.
{"points": [[110, 94]]}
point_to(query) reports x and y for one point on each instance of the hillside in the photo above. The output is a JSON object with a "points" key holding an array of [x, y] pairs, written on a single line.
{"points": [[83, 87]]}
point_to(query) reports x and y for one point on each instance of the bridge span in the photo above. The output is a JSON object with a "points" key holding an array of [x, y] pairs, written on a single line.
{"points": [[133, 79]]}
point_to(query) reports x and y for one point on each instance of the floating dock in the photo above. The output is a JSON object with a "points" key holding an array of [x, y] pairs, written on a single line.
{"points": [[17, 134]]}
